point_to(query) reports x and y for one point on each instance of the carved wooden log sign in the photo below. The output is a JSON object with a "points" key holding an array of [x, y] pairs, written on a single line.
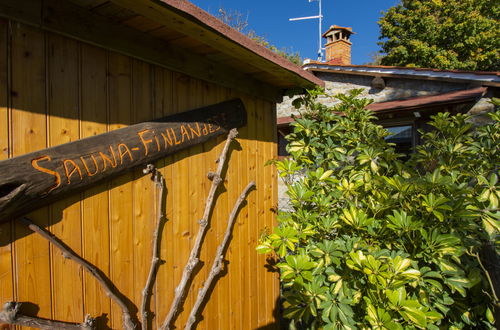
{"points": [[38, 178]]}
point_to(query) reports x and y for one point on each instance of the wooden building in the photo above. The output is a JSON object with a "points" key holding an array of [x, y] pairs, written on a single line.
{"points": [[78, 68]]}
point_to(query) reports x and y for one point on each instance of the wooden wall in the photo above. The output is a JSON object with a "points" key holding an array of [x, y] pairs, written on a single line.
{"points": [[54, 90]]}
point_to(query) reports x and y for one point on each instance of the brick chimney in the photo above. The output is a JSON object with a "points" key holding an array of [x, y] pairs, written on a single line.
{"points": [[338, 46]]}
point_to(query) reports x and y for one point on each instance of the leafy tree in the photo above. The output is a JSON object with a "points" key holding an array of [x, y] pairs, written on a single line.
{"points": [[374, 242], [444, 34]]}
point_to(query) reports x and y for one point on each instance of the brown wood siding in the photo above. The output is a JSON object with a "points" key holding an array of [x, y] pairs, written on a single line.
{"points": [[54, 90]]}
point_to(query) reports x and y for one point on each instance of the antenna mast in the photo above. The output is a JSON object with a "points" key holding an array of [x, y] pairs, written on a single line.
{"points": [[320, 20]]}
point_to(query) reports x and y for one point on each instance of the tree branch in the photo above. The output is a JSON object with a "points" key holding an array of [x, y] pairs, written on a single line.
{"points": [[159, 181], [193, 257], [10, 315], [490, 282], [128, 323], [219, 257]]}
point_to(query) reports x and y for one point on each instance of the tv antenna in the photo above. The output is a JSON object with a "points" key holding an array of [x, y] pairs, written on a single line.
{"points": [[320, 19]]}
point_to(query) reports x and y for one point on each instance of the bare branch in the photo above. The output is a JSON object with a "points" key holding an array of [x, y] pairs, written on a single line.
{"points": [[219, 257], [128, 323], [193, 257], [10, 315], [159, 181]]}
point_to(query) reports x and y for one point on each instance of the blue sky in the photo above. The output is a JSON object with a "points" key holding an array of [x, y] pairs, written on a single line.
{"points": [[270, 19]]}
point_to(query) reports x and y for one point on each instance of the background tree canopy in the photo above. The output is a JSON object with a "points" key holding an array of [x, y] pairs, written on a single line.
{"points": [[444, 34]]}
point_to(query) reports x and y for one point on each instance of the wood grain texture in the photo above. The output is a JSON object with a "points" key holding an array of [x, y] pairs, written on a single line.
{"points": [[254, 217], [95, 202], [164, 288], [59, 96], [63, 127], [121, 218], [29, 133], [182, 223], [6, 251], [143, 189]]}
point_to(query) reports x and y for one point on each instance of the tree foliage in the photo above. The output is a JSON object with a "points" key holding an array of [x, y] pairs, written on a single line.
{"points": [[444, 34], [375, 242]]}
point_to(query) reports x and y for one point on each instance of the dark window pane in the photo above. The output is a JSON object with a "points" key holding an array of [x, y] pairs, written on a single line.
{"points": [[402, 136]]}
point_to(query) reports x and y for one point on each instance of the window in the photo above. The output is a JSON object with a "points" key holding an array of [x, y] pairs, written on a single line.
{"points": [[402, 137]]}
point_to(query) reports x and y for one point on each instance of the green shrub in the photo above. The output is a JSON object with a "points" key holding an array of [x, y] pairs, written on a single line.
{"points": [[374, 242]]}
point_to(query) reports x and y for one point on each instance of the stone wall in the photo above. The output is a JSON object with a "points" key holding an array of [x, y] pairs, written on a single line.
{"points": [[395, 88]]}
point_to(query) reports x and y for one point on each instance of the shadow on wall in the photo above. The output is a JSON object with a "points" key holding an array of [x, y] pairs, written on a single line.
{"points": [[279, 322], [30, 309], [50, 214]]}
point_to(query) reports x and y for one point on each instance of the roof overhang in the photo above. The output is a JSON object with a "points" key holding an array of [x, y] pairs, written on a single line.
{"points": [[479, 77], [414, 103], [195, 23], [173, 34]]}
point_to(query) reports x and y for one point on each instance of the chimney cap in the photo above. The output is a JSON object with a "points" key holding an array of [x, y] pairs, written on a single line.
{"points": [[337, 27]]}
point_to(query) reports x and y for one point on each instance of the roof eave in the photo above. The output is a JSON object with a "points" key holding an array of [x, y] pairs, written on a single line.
{"points": [[183, 9], [484, 78]]}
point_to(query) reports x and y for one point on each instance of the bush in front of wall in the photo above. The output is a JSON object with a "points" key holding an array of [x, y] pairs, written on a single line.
{"points": [[375, 242]]}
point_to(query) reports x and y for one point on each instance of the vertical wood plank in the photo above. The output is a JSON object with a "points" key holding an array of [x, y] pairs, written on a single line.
{"points": [[269, 177], [243, 228], [235, 185], [261, 213], [63, 111], [223, 285], [95, 205], [197, 195], [253, 233], [164, 290], [6, 265], [29, 133], [212, 150], [182, 226], [120, 194], [143, 189]]}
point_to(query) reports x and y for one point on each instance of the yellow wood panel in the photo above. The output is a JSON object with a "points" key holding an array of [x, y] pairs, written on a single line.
{"points": [[254, 216], [212, 150], [182, 223], [243, 226], [261, 212], [113, 224], [29, 133], [6, 266], [164, 288], [63, 123], [269, 204], [222, 285], [197, 195], [274, 203], [143, 189], [234, 256], [121, 195], [95, 203]]}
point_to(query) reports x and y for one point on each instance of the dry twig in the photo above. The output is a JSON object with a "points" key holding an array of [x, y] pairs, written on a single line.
{"points": [[10, 315], [193, 257], [159, 181], [219, 257], [128, 323]]}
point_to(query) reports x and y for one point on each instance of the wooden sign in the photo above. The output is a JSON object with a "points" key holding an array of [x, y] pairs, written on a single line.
{"points": [[38, 178]]}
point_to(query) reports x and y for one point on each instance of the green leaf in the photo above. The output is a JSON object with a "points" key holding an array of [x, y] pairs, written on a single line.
{"points": [[415, 315], [263, 248]]}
